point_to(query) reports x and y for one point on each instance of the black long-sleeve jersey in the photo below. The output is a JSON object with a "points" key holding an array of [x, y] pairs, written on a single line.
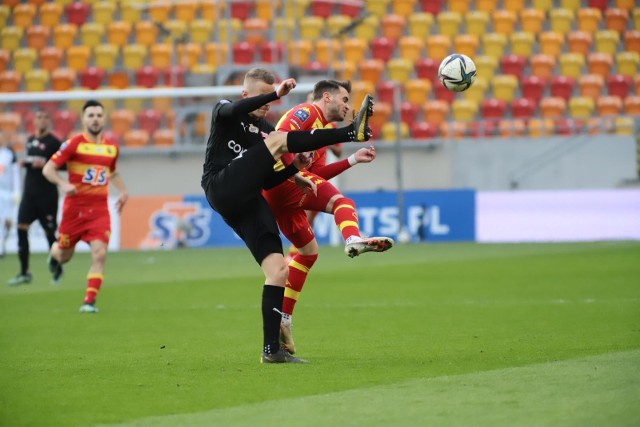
{"points": [[233, 131], [43, 147]]}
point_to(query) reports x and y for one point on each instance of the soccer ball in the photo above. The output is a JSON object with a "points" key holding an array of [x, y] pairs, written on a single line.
{"points": [[457, 72]]}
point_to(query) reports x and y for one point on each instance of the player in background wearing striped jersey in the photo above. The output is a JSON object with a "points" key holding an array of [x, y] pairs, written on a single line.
{"points": [[91, 165], [289, 202]]}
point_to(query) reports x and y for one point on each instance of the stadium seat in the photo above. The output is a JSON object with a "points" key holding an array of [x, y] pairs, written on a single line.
{"points": [[38, 37], [522, 43], [417, 91], [146, 33], [438, 46], [188, 54], [552, 107], [532, 20], [607, 41], [504, 87], [513, 65], [50, 58], [533, 87], [335, 25], [149, 120], [381, 48], [399, 69], [105, 56], [393, 26], [118, 79], [480, 128], [272, 51], [383, 112], [599, 63], [91, 77], [23, 60], [355, 49], [632, 105], [385, 91], [486, 5], [443, 94], [509, 128], [77, 13], [36, 80], [78, 57], [454, 130], [50, 14], [619, 86], [368, 28], [63, 79], [163, 137], [448, 23], [121, 121], [103, 12], [486, 66], [228, 30], [64, 121], [159, 11], [581, 107], [609, 106], [11, 38], [562, 87], [23, 15], [118, 33], [64, 35], [570, 4], [134, 56], [370, 70], [344, 70], [616, 19], [200, 30], [408, 112], [493, 109], [377, 7], [135, 138], [435, 112], [389, 131], [561, 20], [10, 122], [403, 8], [571, 64], [91, 34], [476, 22], [10, 81], [216, 53], [590, 85], [173, 76], [636, 18], [186, 10], [624, 125], [420, 25], [311, 27], [626, 4], [5, 57], [580, 42], [598, 4], [321, 8], [477, 92], [160, 55], [589, 20], [466, 44], [551, 43], [300, 52], [5, 12], [423, 130], [493, 44], [503, 21], [627, 63], [632, 41], [540, 127], [352, 10], [458, 6], [542, 66], [327, 50], [523, 108], [411, 48], [513, 5], [427, 68], [147, 76]]}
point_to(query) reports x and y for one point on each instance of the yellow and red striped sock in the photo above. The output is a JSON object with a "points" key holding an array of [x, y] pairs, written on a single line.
{"points": [[94, 281], [346, 217], [298, 269]]}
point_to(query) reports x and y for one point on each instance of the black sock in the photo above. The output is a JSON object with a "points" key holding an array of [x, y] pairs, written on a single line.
{"points": [[23, 250], [305, 140], [51, 237], [272, 297]]}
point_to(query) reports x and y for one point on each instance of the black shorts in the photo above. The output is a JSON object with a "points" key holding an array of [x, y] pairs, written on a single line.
{"points": [[235, 193], [43, 207]]}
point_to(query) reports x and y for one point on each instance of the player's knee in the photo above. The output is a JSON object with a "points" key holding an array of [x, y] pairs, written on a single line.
{"points": [[99, 254]]}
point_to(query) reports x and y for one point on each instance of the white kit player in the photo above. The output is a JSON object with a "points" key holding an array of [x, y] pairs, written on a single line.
{"points": [[9, 190]]}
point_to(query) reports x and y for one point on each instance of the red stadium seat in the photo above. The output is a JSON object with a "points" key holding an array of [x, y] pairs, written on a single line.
{"points": [[271, 51], [241, 9], [442, 93], [427, 68], [173, 76], [513, 64], [408, 112], [482, 128], [322, 8], [351, 10], [382, 48], [77, 13], [618, 85], [149, 120], [532, 87], [562, 87], [243, 52], [91, 78], [384, 91], [423, 130], [431, 6], [64, 121], [523, 108], [598, 4], [493, 109], [147, 76]]}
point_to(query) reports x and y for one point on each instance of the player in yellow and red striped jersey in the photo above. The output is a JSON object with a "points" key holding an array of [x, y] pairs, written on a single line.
{"points": [[91, 165]]}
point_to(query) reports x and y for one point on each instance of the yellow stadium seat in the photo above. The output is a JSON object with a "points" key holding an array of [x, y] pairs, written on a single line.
{"points": [[411, 48], [11, 38], [64, 35], [599, 63], [552, 107], [130, 12], [504, 87], [63, 79], [626, 4], [449, 23], [200, 31], [616, 19], [300, 52], [627, 63], [570, 4], [493, 44], [393, 26], [571, 64], [283, 28], [561, 20], [420, 25], [399, 69], [344, 70], [5, 12], [590, 85], [36, 80], [543, 5], [216, 53], [477, 92], [403, 7], [370, 70], [368, 29], [336, 23], [211, 10], [178, 29], [438, 46], [459, 6], [551, 43], [23, 59], [581, 107], [229, 28], [328, 50], [311, 27], [23, 15], [105, 56], [435, 112], [50, 58], [255, 30], [514, 5], [417, 91], [103, 12], [589, 20], [609, 105], [476, 22], [532, 20], [607, 41], [160, 56], [580, 42], [486, 66], [146, 33], [118, 33], [377, 7], [503, 21], [91, 34], [295, 9], [38, 37], [354, 49], [159, 11], [266, 9], [78, 57], [624, 125], [466, 44], [133, 104], [522, 43], [542, 66], [134, 56], [389, 131], [487, 5], [189, 54], [636, 18], [186, 10], [464, 110]]}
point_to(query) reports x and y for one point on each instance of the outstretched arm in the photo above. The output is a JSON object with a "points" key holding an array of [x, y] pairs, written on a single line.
{"points": [[363, 155], [247, 105]]}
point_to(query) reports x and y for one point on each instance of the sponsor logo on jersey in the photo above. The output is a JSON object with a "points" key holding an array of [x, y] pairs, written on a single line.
{"points": [[302, 114]]}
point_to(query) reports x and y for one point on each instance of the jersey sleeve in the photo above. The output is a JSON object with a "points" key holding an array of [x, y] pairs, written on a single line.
{"points": [[67, 149], [301, 117]]}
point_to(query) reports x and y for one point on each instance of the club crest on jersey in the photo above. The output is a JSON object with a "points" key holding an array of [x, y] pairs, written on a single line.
{"points": [[302, 114], [253, 129]]}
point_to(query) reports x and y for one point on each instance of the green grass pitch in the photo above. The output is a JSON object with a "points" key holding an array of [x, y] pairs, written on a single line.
{"points": [[441, 334]]}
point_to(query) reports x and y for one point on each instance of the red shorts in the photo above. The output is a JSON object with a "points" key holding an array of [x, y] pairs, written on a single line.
{"points": [[83, 223]]}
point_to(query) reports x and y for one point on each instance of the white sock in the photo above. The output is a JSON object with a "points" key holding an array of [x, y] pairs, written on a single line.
{"points": [[351, 239]]}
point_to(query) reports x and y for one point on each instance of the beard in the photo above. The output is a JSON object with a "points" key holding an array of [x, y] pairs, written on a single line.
{"points": [[95, 132]]}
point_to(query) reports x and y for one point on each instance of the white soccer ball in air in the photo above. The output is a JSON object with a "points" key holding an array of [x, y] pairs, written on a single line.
{"points": [[457, 72]]}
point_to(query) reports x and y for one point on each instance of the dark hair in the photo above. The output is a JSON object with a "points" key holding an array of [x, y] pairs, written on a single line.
{"points": [[91, 103], [329, 86]]}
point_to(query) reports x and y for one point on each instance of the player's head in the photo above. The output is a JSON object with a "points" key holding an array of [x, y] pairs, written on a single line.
{"points": [[258, 81], [93, 117], [42, 122], [333, 97]]}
